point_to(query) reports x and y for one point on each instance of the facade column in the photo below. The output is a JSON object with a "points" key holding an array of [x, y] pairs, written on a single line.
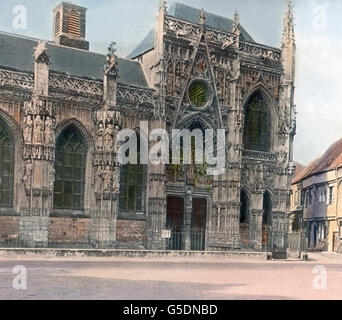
{"points": [[156, 200], [156, 193], [105, 161], [39, 156], [187, 220], [256, 216]]}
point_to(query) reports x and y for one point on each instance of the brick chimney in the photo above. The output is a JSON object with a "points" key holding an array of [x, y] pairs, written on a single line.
{"points": [[69, 26]]}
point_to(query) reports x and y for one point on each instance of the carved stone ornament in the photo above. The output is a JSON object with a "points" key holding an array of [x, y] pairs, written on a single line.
{"points": [[40, 53], [111, 67]]}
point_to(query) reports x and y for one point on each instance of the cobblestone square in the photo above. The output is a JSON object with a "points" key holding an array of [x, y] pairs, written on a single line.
{"points": [[171, 279]]}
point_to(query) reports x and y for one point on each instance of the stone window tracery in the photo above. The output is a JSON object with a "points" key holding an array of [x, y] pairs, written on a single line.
{"points": [[132, 186], [70, 170], [257, 124], [198, 93]]}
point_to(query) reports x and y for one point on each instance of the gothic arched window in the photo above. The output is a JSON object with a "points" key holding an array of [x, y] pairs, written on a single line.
{"points": [[133, 185], [257, 124], [70, 170], [6, 165]]}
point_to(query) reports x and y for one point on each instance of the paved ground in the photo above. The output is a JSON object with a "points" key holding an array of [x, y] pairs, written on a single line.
{"points": [[182, 278]]}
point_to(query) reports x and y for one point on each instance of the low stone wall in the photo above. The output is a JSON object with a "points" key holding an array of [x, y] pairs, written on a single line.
{"points": [[244, 233], [45, 253], [131, 231], [68, 230], [9, 229]]}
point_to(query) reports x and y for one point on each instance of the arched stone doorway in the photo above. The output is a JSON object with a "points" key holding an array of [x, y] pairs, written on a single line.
{"points": [[175, 223], [244, 218], [266, 221]]}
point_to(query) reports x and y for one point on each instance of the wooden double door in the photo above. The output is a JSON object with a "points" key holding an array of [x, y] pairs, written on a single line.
{"points": [[183, 237]]}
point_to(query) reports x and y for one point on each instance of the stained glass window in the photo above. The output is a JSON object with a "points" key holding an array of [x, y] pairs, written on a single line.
{"points": [[132, 186], [257, 124], [6, 165], [198, 94], [70, 170]]}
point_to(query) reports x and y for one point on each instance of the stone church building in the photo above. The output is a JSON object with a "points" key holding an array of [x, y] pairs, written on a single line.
{"points": [[62, 106]]}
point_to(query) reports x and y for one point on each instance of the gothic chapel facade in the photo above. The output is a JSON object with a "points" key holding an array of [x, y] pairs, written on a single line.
{"points": [[62, 106]]}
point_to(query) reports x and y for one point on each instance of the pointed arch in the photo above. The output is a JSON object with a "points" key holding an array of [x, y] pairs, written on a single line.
{"points": [[81, 129], [70, 166], [17, 163], [198, 118]]}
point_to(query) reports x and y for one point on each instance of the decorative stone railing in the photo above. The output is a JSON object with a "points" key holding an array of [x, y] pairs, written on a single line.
{"points": [[182, 28], [59, 82], [260, 155], [135, 95], [17, 79], [260, 51], [188, 174]]}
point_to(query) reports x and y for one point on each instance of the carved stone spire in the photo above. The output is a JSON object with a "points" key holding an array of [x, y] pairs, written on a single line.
{"points": [[41, 69], [289, 44], [110, 77], [163, 6], [288, 29], [202, 18], [236, 22], [111, 60]]}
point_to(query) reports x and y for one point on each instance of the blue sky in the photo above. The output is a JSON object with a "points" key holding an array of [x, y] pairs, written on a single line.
{"points": [[319, 48]]}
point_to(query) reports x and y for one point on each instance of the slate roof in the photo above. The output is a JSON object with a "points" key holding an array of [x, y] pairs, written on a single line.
{"points": [[190, 14], [16, 52], [330, 160]]}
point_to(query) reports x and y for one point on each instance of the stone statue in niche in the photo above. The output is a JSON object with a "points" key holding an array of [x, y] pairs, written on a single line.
{"points": [[109, 137], [36, 152], [99, 136], [98, 179], [28, 129], [52, 175], [107, 179], [118, 118], [27, 180], [49, 131], [169, 79], [38, 132], [116, 182]]}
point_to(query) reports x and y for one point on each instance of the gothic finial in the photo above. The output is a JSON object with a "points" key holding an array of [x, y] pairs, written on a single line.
{"points": [[112, 49], [111, 61], [40, 53], [163, 5], [202, 18], [236, 22], [288, 29]]}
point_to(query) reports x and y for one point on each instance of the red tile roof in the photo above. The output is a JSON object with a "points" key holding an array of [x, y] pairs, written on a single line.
{"points": [[331, 159]]}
